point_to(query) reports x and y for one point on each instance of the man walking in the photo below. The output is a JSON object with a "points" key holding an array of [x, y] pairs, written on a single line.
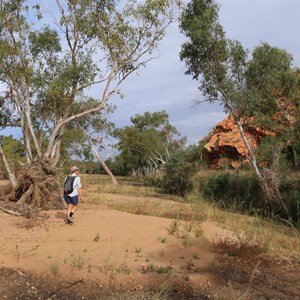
{"points": [[72, 196]]}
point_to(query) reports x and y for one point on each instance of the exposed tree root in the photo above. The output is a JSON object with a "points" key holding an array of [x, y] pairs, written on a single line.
{"points": [[37, 189], [11, 212]]}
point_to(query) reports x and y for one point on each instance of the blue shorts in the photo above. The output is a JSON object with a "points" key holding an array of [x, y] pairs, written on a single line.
{"points": [[71, 200]]}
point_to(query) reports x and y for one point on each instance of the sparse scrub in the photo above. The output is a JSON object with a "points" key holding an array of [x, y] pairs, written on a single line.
{"points": [[239, 244], [77, 262], [138, 250], [54, 268], [162, 239], [123, 268], [174, 227], [164, 270], [186, 277], [198, 232], [186, 242], [150, 268]]}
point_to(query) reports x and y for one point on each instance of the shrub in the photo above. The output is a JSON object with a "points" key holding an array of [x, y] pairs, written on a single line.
{"points": [[217, 186], [234, 191], [178, 169]]}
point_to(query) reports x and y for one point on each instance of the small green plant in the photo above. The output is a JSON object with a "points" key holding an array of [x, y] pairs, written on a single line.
{"points": [[195, 256], [186, 277], [123, 269], [164, 270], [186, 242], [97, 237], [198, 232], [174, 227], [77, 262], [161, 253], [138, 250], [150, 268], [162, 239], [189, 226], [54, 268]]}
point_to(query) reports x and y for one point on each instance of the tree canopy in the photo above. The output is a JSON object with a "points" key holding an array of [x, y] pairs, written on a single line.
{"points": [[48, 66], [147, 145], [262, 85]]}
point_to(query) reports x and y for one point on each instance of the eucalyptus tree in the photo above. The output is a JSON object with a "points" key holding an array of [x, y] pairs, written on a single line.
{"points": [[48, 67], [245, 86], [148, 144]]}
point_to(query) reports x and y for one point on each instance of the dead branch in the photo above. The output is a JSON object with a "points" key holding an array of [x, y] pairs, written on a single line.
{"points": [[68, 285], [9, 211]]}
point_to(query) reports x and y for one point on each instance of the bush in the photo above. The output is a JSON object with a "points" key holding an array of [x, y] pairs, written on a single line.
{"points": [[177, 172], [217, 186], [234, 191], [241, 192]]}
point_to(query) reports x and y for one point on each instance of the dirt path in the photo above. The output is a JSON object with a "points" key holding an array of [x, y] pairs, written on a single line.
{"points": [[108, 254]]}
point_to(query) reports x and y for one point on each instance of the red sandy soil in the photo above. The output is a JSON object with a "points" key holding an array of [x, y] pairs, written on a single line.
{"points": [[108, 254]]}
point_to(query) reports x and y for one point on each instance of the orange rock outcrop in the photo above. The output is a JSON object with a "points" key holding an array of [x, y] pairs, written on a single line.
{"points": [[225, 146]]}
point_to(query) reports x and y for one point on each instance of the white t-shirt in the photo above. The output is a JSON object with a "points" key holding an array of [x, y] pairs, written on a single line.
{"points": [[76, 185]]}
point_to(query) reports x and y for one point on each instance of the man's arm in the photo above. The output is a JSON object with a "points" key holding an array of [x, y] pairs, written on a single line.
{"points": [[80, 189]]}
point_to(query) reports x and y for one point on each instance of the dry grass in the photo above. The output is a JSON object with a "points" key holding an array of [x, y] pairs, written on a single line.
{"points": [[275, 239], [127, 186]]}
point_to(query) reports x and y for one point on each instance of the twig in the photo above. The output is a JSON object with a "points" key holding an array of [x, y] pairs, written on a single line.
{"points": [[9, 211], [68, 285]]}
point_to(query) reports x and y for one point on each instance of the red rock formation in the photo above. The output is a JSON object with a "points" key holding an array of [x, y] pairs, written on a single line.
{"points": [[225, 146]]}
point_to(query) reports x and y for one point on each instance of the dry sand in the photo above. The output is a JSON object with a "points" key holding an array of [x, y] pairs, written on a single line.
{"points": [[104, 246]]}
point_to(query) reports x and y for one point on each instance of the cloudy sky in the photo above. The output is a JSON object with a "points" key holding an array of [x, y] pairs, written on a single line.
{"points": [[164, 86]]}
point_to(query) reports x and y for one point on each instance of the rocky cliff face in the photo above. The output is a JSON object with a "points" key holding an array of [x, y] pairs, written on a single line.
{"points": [[225, 146]]}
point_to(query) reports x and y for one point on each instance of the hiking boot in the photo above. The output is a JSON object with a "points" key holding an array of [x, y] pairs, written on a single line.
{"points": [[70, 220]]}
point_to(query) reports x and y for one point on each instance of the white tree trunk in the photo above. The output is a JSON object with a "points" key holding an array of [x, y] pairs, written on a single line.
{"points": [[11, 175], [248, 146], [107, 170]]}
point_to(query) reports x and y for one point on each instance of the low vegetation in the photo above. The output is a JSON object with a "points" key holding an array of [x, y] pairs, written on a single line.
{"points": [[244, 234]]}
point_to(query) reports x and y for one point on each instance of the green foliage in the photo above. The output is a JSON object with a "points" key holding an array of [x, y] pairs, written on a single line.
{"points": [[48, 75], [269, 145], [217, 186], [146, 146], [241, 192], [14, 152], [180, 166], [263, 86], [237, 192]]}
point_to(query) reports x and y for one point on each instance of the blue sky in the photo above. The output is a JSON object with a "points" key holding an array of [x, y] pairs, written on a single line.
{"points": [[162, 85]]}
